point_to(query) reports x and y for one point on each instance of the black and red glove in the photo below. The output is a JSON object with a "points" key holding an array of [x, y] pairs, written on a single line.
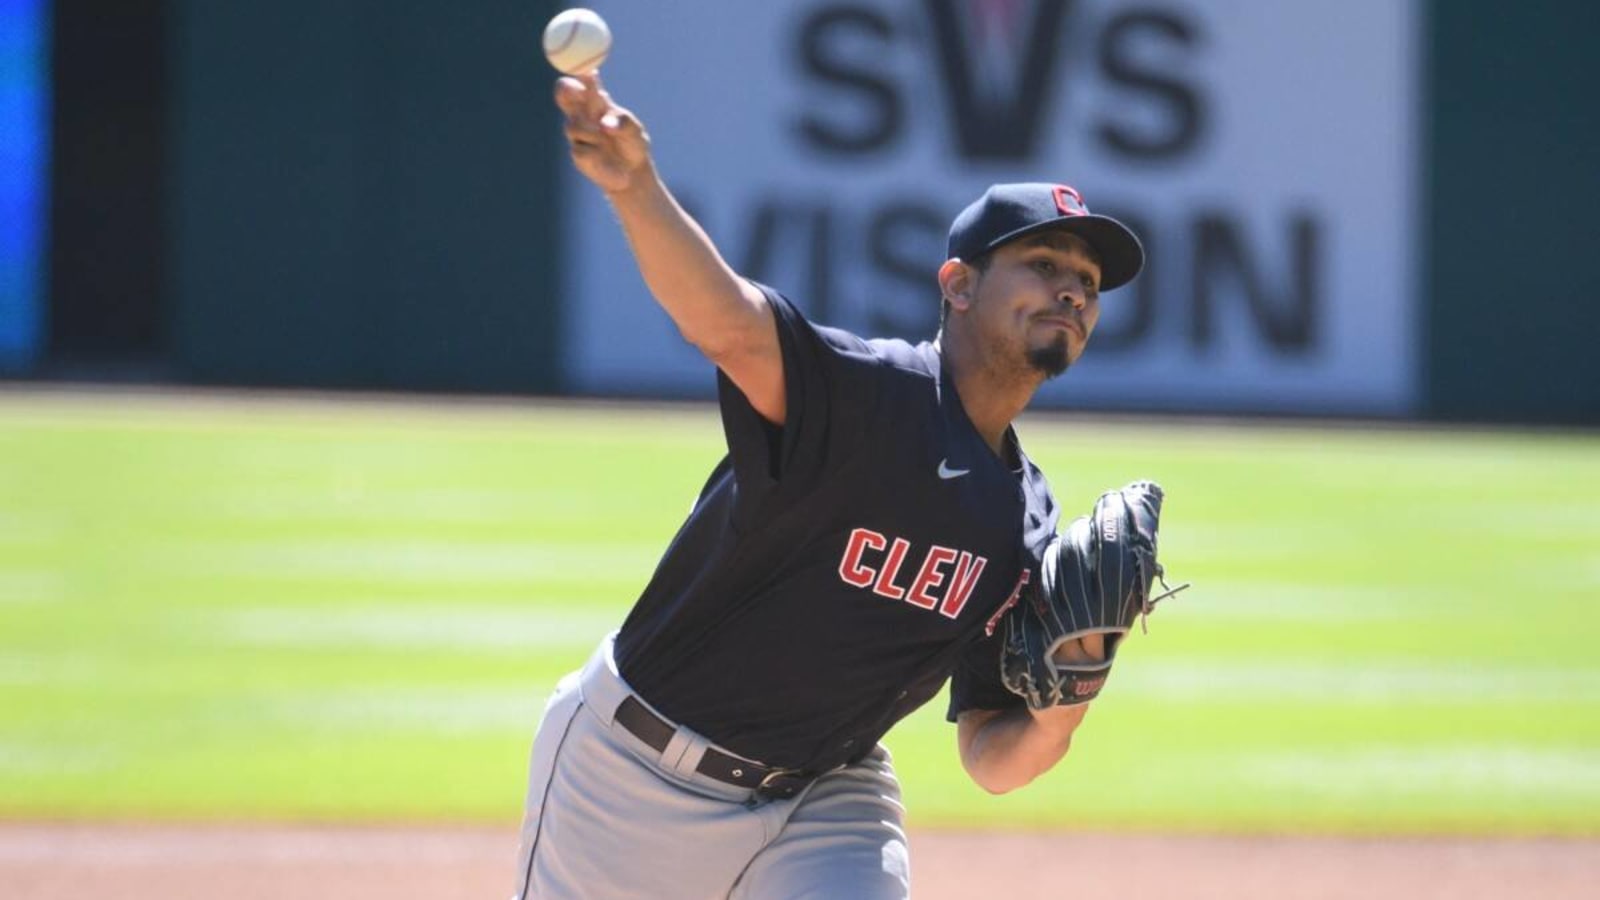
{"points": [[1095, 578]]}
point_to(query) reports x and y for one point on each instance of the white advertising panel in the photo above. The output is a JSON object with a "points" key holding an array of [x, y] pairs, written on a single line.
{"points": [[1265, 152]]}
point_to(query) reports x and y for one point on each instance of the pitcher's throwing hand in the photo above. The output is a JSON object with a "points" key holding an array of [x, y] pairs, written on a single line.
{"points": [[608, 143]]}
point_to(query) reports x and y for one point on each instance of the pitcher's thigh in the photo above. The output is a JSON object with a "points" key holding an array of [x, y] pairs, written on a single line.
{"points": [[554, 728], [610, 825], [846, 839]]}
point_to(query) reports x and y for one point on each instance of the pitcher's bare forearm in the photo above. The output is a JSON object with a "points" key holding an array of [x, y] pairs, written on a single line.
{"points": [[719, 312], [1004, 750], [716, 310]]}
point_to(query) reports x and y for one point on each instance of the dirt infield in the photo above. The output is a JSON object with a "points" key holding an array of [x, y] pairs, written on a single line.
{"points": [[53, 862]]}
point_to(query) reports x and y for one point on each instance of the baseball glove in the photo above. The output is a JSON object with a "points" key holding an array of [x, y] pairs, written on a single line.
{"points": [[1095, 579]]}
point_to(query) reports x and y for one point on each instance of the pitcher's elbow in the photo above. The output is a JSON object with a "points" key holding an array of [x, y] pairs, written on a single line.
{"points": [[997, 783]]}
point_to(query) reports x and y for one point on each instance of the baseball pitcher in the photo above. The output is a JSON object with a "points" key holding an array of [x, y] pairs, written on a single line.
{"points": [[874, 531]]}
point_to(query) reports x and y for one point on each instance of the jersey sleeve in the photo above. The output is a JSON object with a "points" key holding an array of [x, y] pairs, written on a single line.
{"points": [[976, 684], [831, 383]]}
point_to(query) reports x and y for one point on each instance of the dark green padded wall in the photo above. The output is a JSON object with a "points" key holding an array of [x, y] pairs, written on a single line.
{"points": [[1512, 310], [364, 194]]}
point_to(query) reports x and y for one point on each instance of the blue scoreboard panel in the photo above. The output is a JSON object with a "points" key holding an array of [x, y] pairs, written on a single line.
{"points": [[24, 150]]}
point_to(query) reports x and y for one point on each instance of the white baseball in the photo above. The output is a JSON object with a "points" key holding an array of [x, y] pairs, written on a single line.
{"points": [[576, 41]]}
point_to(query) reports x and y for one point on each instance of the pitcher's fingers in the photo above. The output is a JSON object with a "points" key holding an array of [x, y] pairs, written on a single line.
{"points": [[583, 130], [620, 121], [624, 125], [584, 137], [596, 101], [571, 96]]}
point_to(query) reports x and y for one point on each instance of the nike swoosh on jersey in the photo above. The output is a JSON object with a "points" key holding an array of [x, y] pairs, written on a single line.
{"points": [[948, 473]]}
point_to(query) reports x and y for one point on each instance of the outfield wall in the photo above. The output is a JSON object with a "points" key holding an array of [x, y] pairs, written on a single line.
{"points": [[1512, 287], [374, 194]]}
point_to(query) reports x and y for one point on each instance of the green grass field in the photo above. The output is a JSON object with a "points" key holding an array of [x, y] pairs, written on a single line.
{"points": [[219, 608]]}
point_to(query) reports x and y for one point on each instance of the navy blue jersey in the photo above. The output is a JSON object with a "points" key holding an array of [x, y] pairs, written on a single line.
{"points": [[836, 570]]}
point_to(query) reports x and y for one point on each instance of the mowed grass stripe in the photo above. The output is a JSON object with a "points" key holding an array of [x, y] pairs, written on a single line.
{"points": [[228, 606]]}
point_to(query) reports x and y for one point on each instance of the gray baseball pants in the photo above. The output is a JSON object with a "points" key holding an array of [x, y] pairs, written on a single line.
{"points": [[608, 818]]}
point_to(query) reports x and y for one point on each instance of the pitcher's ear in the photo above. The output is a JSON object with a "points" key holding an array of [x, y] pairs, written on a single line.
{"points": [[956, 283]]}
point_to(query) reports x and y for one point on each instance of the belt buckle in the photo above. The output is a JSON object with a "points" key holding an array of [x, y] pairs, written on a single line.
{"points": [[781, 784]]}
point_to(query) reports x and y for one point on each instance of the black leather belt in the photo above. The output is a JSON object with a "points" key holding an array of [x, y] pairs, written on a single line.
{"points": [[764, 780]]}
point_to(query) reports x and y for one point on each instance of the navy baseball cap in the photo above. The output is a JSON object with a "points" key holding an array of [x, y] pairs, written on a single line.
{"points": [[1006, 212]]}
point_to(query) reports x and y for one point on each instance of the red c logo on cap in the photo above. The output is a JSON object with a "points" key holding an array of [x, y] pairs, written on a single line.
{"points": [[1061, 193]]}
